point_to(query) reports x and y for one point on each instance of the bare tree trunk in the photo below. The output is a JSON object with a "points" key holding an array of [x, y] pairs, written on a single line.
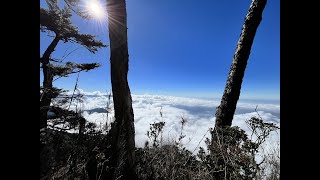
{"points": [[46, 97], [47, 82], [122, 143], [225, 111]]}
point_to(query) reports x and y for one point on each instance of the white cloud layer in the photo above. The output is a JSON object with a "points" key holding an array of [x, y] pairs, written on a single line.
{"points": [[199, 114]]}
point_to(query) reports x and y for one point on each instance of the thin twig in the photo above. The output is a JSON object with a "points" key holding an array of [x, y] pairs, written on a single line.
{"points": [[75, 87], [197, 146], [66, 51], [77, 12], [67, 75], [65, 56], [257, 111], [225, 163]]}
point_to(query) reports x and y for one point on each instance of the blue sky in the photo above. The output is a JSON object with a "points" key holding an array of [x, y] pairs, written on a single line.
{"points": [[182, 48]]}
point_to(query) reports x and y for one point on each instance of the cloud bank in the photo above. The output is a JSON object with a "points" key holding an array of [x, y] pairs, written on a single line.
{"points": [[199, 114]]}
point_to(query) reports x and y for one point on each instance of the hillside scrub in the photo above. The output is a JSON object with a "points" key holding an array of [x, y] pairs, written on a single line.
{"points": [[230, 156]]}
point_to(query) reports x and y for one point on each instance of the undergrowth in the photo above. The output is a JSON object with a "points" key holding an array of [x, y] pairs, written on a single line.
{"points": [[229, 154]]}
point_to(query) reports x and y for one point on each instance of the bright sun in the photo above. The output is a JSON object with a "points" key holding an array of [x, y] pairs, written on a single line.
{"points": [[95, 9]]}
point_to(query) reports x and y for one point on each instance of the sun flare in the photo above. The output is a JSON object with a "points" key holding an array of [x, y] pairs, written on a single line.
{"points": [[95, 9]]}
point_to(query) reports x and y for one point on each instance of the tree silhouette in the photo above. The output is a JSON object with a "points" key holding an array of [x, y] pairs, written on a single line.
{"points": [[227, 107], [58, 21], [122, 131]]}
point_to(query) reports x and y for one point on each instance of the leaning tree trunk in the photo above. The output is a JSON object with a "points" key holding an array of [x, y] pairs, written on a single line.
{"points": [[45, 98], [122, 131], [225, 111], [47, 83]]}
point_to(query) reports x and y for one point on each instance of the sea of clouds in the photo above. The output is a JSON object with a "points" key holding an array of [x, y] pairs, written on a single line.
{"points": [[198, 112]]}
